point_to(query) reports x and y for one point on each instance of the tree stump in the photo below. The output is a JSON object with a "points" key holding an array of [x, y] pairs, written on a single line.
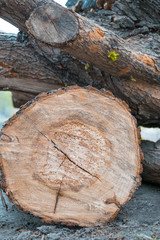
{"points": [[71, 156]]}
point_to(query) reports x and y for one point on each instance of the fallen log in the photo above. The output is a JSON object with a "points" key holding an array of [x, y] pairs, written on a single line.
{"points": [[82, 38], [151, 163], [63, 157], [62, 69], [89, 42]]}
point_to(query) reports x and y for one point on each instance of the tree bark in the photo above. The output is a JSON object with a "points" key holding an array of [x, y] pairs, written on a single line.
{"points": [[22, 69], [91, 43], [70, 163], [137, 10], [63, 70], [151, 163], [82, 34], [86, 4]]}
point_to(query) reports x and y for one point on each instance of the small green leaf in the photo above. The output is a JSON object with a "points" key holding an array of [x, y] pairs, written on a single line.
{"points": [[133, 79], [87, 66], [113, 56]]}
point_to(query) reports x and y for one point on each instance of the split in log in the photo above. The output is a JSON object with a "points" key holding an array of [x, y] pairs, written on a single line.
{"points": [[71, 156], [151, 163]]}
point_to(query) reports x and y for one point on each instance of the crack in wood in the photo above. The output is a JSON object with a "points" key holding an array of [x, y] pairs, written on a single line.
{"points": [[17, 139], [61, 164], [56, 147], [113, 200], [60, 150], [57, 196]]}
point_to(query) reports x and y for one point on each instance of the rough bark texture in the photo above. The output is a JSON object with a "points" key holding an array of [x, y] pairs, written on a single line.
{"points": [[151, 163], [22, 69], [57, 69], [147, 10], [70, 163], [91, 43], [17, 11], [86, 4]]}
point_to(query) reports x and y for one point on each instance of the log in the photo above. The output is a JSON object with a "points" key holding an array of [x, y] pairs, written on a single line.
{"points": [[151, 163], [142, 97], [89, 42], [63, 157], [22, 69], [81, 34], [59, 69], [147, 10]]}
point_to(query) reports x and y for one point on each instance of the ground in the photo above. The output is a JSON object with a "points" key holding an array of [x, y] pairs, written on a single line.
{"points": [[138, 219]]}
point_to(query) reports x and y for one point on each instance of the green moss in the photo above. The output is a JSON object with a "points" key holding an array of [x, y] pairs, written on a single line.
{"points": [[87, 66], [113, 56], [133, 79]]}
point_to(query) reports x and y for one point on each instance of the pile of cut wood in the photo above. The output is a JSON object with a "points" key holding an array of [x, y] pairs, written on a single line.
{"points": [[72, 153]]}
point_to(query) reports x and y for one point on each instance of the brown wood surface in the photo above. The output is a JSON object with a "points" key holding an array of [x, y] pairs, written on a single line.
{"points": [[71, 156]]}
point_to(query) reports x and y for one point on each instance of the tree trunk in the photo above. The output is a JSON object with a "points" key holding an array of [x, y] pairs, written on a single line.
{"points": [[75, 155], [151, 163]]}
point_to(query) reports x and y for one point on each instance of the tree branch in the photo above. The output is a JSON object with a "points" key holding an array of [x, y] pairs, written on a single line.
{"points": [[91, 43]]}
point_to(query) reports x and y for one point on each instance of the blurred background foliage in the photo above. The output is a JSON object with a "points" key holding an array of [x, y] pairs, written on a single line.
{"points": [[6, 106]]}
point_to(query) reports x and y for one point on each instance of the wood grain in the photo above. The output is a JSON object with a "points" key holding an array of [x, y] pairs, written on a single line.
{"points": [[71, 156]]}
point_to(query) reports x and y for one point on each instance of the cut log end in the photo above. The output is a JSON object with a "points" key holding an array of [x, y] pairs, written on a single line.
{"points": [[71, 156], [53, 24]]}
